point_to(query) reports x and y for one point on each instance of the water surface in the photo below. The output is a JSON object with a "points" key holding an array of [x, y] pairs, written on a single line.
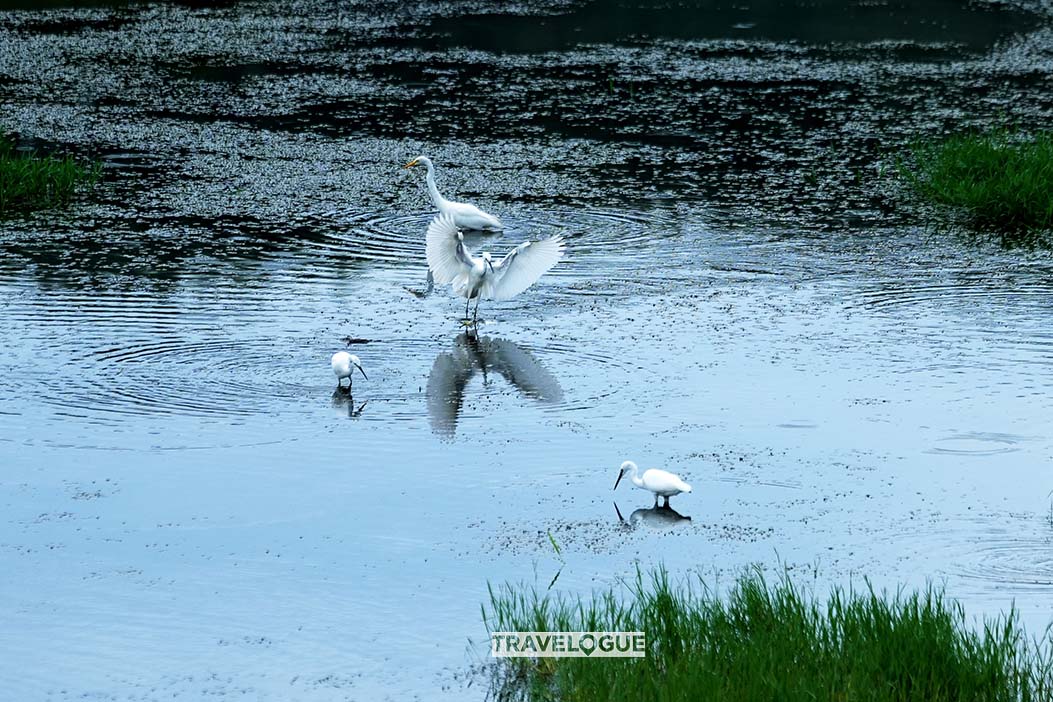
{"points": [[191, 509]]}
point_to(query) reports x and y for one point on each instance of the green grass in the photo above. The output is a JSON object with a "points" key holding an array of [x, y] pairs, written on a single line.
{"points": [[769, 641], [1001, 180], [29, 181]]}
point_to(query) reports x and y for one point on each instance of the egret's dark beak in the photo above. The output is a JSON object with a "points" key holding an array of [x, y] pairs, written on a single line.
{"points": [[362, 372], [620, 474]]}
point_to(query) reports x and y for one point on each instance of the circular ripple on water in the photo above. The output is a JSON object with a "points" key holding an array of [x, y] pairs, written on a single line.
{"points": [[230, 379], [600, 243], [220, 378], [1023, 560], [978, 444], [962, 294], [994, 551]]}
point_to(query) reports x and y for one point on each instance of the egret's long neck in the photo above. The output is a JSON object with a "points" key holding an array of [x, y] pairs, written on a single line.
{"points": [[635, 477], [436, 197]]}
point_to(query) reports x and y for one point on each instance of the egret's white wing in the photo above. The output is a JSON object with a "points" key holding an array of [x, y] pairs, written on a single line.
{"points": [[447, 257], [471, 217], [520, 269], [661, 481]]}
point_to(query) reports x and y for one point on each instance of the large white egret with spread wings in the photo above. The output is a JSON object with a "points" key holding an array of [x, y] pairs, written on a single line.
{"points": [[465, 216], [481, 277]]}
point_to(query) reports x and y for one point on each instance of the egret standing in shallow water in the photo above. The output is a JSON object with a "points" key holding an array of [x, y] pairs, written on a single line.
{"points": [[662, 483], [465, 216], [476, 278], [344, 364]]}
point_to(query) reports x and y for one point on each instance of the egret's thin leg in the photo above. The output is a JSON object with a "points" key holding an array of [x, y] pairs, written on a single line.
{"points": [[475, 319], [431, 283], [467, 302]]}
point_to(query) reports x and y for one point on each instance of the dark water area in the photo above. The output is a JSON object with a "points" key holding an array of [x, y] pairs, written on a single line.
{"points": [[190, 508]]}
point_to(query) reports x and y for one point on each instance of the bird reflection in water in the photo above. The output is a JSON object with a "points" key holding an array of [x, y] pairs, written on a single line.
{"points": [[653, 517], [344, 403], [472, 354]]}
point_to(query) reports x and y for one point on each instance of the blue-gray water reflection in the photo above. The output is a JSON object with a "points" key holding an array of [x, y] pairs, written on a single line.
{"points": [[486, 357], [657, 517]]}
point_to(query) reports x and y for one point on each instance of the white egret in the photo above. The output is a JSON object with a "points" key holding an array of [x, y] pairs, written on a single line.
{"points": [[465, 216], [662, 483], [344, 364], [476, 278]]}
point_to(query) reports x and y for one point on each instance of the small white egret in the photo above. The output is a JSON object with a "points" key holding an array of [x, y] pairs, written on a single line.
{"points": [[465, 216], [476, 278], [662, 483], [344, 364]]}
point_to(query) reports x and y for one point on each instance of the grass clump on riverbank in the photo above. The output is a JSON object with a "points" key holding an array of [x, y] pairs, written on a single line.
{"points": [[1002, 180], [29, 181], [770, 641]]}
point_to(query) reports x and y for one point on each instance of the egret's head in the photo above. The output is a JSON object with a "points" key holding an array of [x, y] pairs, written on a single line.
{"points": [[488, 261], [357, 363], [419, 161], [627, 467]]}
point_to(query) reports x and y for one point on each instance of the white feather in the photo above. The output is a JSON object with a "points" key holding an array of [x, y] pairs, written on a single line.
{"points": [[447, 258], [520, 269], [468, 216], [663, 482], [341, 363]]}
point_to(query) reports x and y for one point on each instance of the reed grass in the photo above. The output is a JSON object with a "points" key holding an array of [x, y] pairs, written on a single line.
{"points": [[29, 181], [769, 641], [1001, 180]]}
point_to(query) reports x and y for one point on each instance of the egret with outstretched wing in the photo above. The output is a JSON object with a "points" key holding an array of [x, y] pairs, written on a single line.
{"points": [[480, 277]]}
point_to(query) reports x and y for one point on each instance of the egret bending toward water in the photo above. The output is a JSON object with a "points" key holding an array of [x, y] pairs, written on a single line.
{"points": [[662, 483], [476, 278], [465, 216], [344, 364]]}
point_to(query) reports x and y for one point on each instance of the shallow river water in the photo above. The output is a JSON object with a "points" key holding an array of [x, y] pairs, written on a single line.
{"points": [[187, 507]]}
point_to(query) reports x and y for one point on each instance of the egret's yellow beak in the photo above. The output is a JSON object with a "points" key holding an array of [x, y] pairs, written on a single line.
{"points": [[411, 164]]}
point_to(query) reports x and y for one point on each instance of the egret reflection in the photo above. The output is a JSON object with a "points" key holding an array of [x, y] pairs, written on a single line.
{"points": [[653, 517], [486, 356], [344, 403]]}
